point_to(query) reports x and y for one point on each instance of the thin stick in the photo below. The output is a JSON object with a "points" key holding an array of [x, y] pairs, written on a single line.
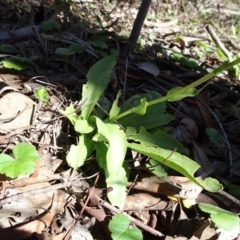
{"points": [[133, 220]]}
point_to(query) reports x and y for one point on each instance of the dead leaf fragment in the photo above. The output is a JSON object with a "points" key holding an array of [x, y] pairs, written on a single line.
{"points": [[191, 126], [149, 67], [12, 104]]}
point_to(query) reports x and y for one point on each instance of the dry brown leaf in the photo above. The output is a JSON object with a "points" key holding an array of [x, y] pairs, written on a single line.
{"points": [[201, 158], [144, 201], [191, 126], [149, 67], [203, 96], [179, 187], [205, 231]]}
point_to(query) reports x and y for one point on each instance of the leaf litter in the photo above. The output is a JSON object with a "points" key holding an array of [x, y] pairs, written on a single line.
{"points": [[52, 202]]}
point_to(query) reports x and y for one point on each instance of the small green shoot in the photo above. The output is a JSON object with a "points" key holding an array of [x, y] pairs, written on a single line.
{"points": [[222, 218], [50, 25], [215, 137], [64, 52], [7, 48], [98, 40], [23, 162], [120, 228], [41, 94], [77, 48], [185, 61]]}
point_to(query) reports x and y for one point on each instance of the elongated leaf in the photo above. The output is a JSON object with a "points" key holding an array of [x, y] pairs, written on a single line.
{"points": [[178, 162], [98, 78], [117, 144], [116, 174], [117, 181], [115, 109]]}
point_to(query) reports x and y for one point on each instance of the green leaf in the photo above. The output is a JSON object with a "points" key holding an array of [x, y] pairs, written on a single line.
{"points": [[28, 59], [50, 37], [118, 181], [214, 136], [120, 229], [233, 189], [222, 218], [98, 78], [13, 63], [173, 96], [117, 144], [102, 108], [41, 94], [78, 154], [70, 113], [98, 41], [115, 109], [23, 163], [7, 48], [155, 115], [64, 51], [158, 139], [115, 155], [50, 25], [77, 48], [184, 61], [82, 126], [178, 162], [156, 168], [220, 54]]}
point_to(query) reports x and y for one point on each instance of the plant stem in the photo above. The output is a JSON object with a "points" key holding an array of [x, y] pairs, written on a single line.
{"points": [[137, 26]]}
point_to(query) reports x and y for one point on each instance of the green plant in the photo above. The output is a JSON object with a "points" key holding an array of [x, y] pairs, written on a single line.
{"points": [[18, 63], [23, 161], [42, 94], [121, 230], [222, 218], [111, 130]]}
